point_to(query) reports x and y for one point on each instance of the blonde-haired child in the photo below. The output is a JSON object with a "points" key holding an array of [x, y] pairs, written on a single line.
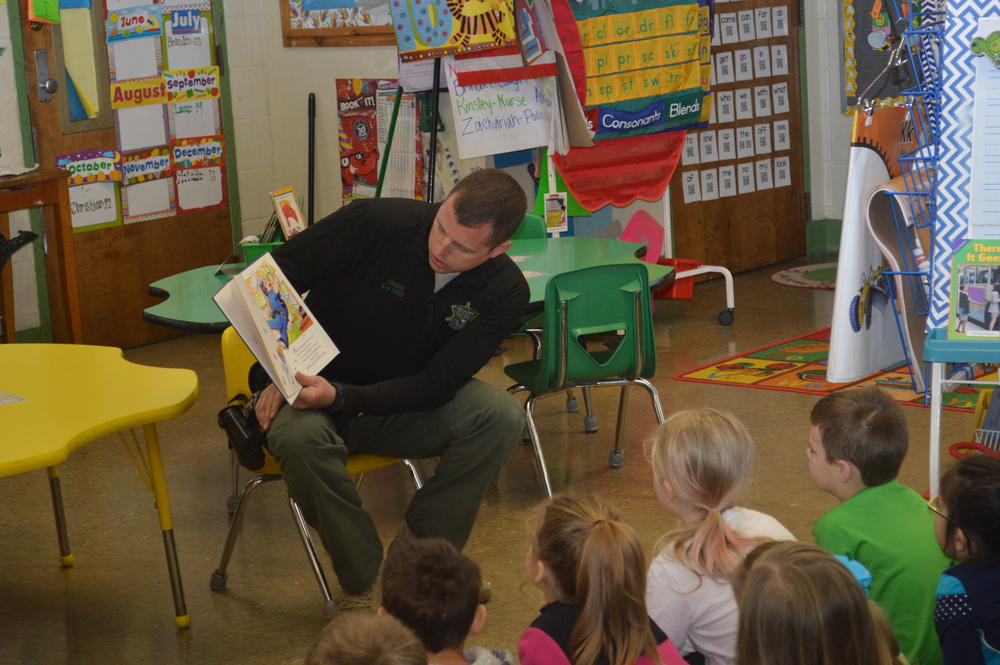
{"points": [[590, 566], [800, 606], [700, 460]]}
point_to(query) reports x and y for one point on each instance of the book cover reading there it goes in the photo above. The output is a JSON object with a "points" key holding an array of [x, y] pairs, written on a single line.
{"points": [[275, 324], [975, 291]]}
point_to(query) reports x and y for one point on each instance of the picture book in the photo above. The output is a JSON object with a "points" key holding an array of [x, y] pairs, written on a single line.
{"points": [[975, 291], [275, 324], [287, 209]]}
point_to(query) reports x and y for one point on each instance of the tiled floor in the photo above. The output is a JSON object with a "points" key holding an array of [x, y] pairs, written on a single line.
{"points": [[114, 605]]}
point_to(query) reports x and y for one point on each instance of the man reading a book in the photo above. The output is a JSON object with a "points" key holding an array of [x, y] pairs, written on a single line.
{"points": [[417, 297]]}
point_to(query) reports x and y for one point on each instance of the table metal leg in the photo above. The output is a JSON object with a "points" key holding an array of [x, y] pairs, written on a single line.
{"points": [[181, 616], [937, 370], [65, 556]]}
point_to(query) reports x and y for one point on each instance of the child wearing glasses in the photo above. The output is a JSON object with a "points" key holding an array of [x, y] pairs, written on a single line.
{"points": [[967, 527], [857, 443]]}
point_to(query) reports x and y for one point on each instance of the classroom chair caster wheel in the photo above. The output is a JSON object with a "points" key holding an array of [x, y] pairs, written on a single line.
{"points": [[590, 424], [572, 406], [726, 317], [329, 607], [218, 582], [232, 502], [616, 458]]}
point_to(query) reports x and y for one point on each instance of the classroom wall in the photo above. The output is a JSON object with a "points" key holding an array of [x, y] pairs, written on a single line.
{"points": [[270, 85]]}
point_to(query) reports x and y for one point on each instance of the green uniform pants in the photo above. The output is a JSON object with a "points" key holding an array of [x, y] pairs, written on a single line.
{"points": [[474, 434]]}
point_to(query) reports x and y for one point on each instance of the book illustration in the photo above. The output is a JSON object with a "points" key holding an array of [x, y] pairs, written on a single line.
{"points": [[276, 324], [287, 209], [975, 291]]}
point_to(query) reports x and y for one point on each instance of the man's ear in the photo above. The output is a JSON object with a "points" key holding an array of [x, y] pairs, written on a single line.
{"points": [[381, 611], [500, 249], [479, 620]]}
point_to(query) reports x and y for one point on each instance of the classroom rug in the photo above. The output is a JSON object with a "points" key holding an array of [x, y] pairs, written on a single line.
{"points": [[799, 365], [816, 276]]}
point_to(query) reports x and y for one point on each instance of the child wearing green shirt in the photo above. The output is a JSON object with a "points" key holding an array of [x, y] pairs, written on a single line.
{"points": [[857, 443]]}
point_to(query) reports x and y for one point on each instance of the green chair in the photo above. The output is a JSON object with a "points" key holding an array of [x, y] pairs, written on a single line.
{"points": [[592, 301], [532, 228]]}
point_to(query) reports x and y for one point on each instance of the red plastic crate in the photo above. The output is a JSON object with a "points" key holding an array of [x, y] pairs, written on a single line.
{"points": [[679, 289]]}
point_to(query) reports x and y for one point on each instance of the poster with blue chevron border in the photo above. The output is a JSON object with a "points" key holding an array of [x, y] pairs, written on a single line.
{"points": [[955, 159]]}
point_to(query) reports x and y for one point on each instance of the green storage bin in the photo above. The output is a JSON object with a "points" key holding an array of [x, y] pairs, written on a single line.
{"points": [[254, 250]]}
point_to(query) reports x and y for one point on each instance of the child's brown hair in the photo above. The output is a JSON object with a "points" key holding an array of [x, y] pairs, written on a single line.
{"points": [[866, 427], [433, 589]]}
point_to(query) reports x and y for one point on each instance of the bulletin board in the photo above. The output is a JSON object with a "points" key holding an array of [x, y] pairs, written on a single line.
{"points": [[334, 23], [737, 198]]}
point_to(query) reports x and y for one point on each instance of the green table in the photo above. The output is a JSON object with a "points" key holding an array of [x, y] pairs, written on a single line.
{"points": [[188, 303]]}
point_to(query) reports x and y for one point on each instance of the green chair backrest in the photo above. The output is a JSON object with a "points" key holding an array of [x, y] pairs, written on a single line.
{"points": [[594, 300], [532, 228]]}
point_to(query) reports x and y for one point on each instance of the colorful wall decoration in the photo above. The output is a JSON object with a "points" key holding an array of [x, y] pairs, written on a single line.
{"points": [[434, 28]]}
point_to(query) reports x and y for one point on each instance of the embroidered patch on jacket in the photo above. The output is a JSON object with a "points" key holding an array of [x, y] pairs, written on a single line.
{"points": [[461, 316], [395, 288]]}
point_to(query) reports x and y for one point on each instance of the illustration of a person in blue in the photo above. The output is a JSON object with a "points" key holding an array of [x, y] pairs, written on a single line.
{"points": [[278, 320]]}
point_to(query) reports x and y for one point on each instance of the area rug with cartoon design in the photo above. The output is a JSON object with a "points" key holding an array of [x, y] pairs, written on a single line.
{"points": [[799, 365]]}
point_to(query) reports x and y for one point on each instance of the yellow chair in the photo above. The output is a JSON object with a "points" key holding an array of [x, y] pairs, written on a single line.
{"points": [[236, 363]]}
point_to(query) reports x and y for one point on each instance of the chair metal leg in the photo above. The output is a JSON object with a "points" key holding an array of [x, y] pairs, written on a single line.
{"points": [[529, 408], [654, 397], [62, 532], [233, 499], [589, 420], [219, 577], [418, 479], [307, 542], [617, 456]]}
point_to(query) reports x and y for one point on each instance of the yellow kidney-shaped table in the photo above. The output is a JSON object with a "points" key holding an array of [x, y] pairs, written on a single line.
{"points": [[54, 398]]}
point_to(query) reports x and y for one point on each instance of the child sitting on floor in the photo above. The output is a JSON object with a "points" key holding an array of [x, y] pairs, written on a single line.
{"points": [[434, 590], [590, 567], [800, 606], [857, 443], [356, 638], [701, 459], [967, 613]]}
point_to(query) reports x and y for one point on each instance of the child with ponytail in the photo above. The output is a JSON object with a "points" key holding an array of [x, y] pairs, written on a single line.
{"points": [[590, 567], [700, 460]]}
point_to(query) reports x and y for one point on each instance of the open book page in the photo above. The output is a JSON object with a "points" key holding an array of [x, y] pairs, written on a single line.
{"points": [[289, 215], [276, 325]]}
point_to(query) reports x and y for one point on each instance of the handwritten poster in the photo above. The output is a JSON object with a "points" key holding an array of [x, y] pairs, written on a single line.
{"points": [[198, 118], [199, 188], [191, 84], [94, 204], [91, 166], [187, 39], [500, 117]]}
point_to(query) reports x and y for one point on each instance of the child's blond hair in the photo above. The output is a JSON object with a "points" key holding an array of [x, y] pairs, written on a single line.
{"points": [[706, 456], [356, 638]]}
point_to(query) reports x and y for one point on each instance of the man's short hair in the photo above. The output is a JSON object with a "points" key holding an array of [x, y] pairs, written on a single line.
{"points": [[866, 427], [433, 589], [490, 196], [358, 638]]}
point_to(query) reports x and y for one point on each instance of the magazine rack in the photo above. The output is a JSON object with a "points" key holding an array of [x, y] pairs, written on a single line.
{"points": [[913, 207]]}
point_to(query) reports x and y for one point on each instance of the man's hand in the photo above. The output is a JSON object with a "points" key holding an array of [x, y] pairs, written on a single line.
{"points": [[268, 405], [317, 393]]}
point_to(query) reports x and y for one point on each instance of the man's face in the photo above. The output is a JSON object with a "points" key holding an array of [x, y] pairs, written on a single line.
{"points": [[823, 472], [452, 247]]}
